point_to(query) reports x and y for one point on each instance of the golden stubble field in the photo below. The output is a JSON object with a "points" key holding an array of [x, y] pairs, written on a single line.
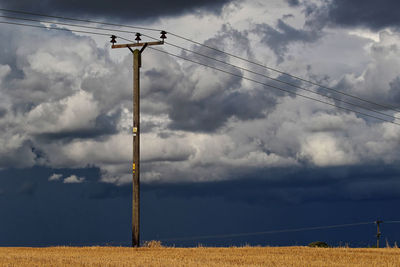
{"points": [[201, 256]]}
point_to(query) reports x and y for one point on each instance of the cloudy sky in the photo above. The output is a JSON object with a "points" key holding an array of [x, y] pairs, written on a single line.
{"points": [[220, 153]]}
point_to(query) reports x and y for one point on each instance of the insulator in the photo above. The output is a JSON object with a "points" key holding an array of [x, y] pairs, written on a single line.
{"points": [[138, 37], [163, 33], [113, 37]]}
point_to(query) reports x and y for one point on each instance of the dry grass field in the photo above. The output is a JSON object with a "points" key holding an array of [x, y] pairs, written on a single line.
{"points": [[201, 256]]}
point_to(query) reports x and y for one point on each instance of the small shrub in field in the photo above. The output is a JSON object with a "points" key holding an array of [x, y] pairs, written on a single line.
{"points": [[152, 244], [318, 244]]}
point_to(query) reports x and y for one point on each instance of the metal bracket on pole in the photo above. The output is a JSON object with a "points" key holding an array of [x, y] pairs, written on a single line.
{"points": [[130, 49], [144, 47]]}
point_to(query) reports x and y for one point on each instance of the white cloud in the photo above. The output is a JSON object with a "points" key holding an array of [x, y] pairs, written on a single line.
{"points": [[73, 179], [55, 177], [324, 150], [76, 112], [375, 79]]}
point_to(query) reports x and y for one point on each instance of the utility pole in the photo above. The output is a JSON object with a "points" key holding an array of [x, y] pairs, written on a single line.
{"points": [[378, 233], [137, 62]]}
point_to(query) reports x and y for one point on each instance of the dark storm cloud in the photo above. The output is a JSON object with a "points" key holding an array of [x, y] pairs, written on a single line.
{"points": [[293, 2], [275, 185], [3, 112], [28, 188], [367, 13], [105, 125], [288, 83], [20, 157], [279, 38], [225, 37], [116, 10], [263, 187], [207, 102], [210, 114], [38, 212], [394, 91], [294, 185]]}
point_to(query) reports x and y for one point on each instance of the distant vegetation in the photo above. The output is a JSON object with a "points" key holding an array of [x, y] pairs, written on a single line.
{"points": [[152, 244], [318, 244]]}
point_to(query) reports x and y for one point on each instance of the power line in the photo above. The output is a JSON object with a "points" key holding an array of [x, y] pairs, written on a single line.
{"points": [[277, 80], [205, 65], [53, 28], [220, 61], [74, 19], [285, 73], [275, 87], [208, 57], [386, 106], [266, 232], [65, 24]]}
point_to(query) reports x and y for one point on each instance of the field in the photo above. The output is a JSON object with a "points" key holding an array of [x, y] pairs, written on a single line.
{"points": [[200, 256]]}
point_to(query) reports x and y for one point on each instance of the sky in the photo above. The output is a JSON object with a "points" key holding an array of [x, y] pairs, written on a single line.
{"points": [[220, 154]]}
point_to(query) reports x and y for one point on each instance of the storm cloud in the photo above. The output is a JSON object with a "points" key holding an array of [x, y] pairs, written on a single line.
{"points": [[279, 37], [372, 14], [117, 10], [272, 200], [76, 112]]}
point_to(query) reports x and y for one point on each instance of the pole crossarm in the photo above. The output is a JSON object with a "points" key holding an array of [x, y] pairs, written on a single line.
{"points": [[136, 44]]}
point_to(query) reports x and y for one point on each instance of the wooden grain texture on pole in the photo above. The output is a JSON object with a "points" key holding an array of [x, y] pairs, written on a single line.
{"points": [[136, 150], [137, 62]]}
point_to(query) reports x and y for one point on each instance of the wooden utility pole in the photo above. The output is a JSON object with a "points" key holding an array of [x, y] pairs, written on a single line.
{"points": [[137, 62], [378, 233]]}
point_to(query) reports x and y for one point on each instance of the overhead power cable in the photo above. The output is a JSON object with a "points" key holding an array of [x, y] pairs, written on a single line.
{"points": [[277, 80], [266, 232], [74, 19], [205, 65], [53, 28], [205, 56], [275, 87], [384, 106], [66, 24]]}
